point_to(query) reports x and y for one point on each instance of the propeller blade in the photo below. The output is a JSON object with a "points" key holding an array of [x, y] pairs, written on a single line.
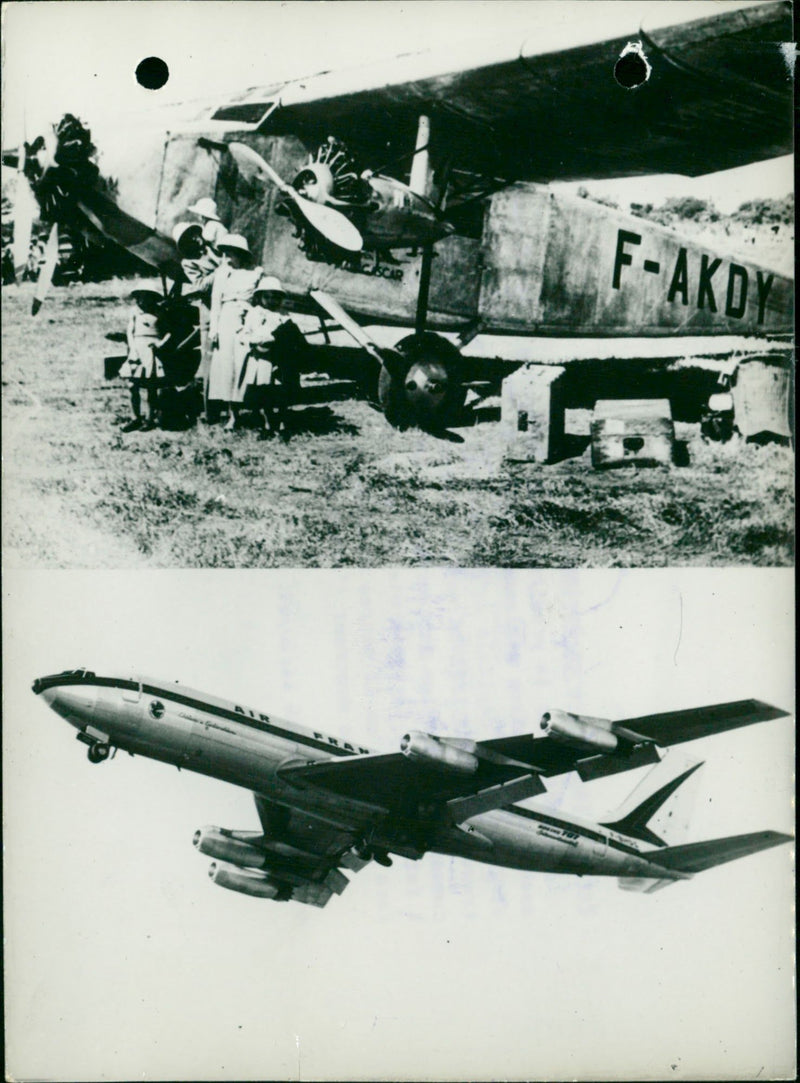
{"points": [[391, 359], [26, 211], [356, 332], [332, 224], [251, 164], [47, 270]]}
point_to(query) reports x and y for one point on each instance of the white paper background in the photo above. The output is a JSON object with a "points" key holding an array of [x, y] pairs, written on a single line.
{"points": [[124, 961]]}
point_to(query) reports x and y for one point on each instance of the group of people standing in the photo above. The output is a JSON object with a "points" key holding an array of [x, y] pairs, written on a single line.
{"points": [[249, 348]]}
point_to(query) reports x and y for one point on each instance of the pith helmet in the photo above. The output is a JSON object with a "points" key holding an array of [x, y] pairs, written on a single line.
{"points": [[236, 242], [182, 230], [268, 284], [144, 294], [205, 207]]}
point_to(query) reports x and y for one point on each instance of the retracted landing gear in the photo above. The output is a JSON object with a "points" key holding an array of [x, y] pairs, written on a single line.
{"points": [[421, 386]]}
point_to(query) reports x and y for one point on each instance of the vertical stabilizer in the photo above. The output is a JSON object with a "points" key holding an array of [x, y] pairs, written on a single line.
{"points": [[649, 813]]}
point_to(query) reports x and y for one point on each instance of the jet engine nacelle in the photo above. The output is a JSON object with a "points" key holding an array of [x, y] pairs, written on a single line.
{"points": [[215, 842], [248, 883], [594, 734], [435, 752]]}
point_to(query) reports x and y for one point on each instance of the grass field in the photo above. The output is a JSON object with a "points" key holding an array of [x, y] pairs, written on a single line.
{"points": [[345, 490]]}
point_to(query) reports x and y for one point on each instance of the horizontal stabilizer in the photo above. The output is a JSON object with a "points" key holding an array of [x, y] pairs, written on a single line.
{"points": [[642, 883], [697, 856]]}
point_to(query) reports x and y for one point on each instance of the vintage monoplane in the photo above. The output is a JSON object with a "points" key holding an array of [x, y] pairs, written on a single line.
{"points": [[327, 804], [417, 193]]}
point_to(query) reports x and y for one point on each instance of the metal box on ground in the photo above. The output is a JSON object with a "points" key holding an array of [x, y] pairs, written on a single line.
{"points": [[532, 413], [638, 431]]}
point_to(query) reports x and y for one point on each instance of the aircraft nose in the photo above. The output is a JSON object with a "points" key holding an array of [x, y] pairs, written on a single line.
{"points": [[74, 703], [47, 694]]}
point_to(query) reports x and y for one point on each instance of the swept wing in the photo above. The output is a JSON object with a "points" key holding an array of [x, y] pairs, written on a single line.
{"points": [[394, 785], [641, 737], [513, 768], [298, 857]]}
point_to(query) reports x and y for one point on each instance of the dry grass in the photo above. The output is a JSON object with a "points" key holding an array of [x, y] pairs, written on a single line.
{"points": [[346, 490]]}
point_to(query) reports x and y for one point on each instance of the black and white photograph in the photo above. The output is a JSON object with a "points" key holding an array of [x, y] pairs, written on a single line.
{"points": [[465, 284], [398, 540], [452, 784]]}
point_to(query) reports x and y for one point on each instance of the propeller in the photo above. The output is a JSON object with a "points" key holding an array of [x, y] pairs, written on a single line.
{"points": [[47, 269], [26, 211], [332, 224]]}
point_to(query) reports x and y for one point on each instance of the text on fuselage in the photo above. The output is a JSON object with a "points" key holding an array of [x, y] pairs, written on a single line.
{"points": [[697, 286]]}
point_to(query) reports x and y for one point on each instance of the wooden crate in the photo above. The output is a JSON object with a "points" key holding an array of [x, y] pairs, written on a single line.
{"points": [[638, 431], [763, 397], [532, 413]]}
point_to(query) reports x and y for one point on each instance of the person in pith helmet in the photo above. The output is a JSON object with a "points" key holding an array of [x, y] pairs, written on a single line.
{"points": [[199, 263], [186, 235], [213, 229], [234, 283], [205, 208], [142, 366], [265, 369]]}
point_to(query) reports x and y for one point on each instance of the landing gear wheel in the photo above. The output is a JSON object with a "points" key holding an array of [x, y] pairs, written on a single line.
{"points": [[421, 388], [366, 853], [98, 752]]}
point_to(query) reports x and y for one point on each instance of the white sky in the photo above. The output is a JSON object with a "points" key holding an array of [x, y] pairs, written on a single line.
{"points": [[81, 57], [124, 961]]}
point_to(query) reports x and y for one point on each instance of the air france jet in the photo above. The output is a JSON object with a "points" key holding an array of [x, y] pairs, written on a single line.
{"points": [[326, 804]]}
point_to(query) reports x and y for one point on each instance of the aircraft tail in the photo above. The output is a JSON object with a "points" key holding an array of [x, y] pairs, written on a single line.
{"points": [[642, 806], [640, 883], [698, 856]]}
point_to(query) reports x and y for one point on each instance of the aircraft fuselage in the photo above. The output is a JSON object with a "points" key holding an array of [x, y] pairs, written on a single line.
{"points": [[248, 748], [540, 263]]}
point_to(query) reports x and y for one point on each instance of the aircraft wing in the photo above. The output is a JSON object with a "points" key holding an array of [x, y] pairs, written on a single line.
{"points": [[548, 107], [674, 727], [393, 784], [308, 852], [512, 768], [653, 731], [129, 233]]}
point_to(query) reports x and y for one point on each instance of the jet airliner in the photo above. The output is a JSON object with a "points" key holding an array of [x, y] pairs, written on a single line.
{"points": [[328, 804]]}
